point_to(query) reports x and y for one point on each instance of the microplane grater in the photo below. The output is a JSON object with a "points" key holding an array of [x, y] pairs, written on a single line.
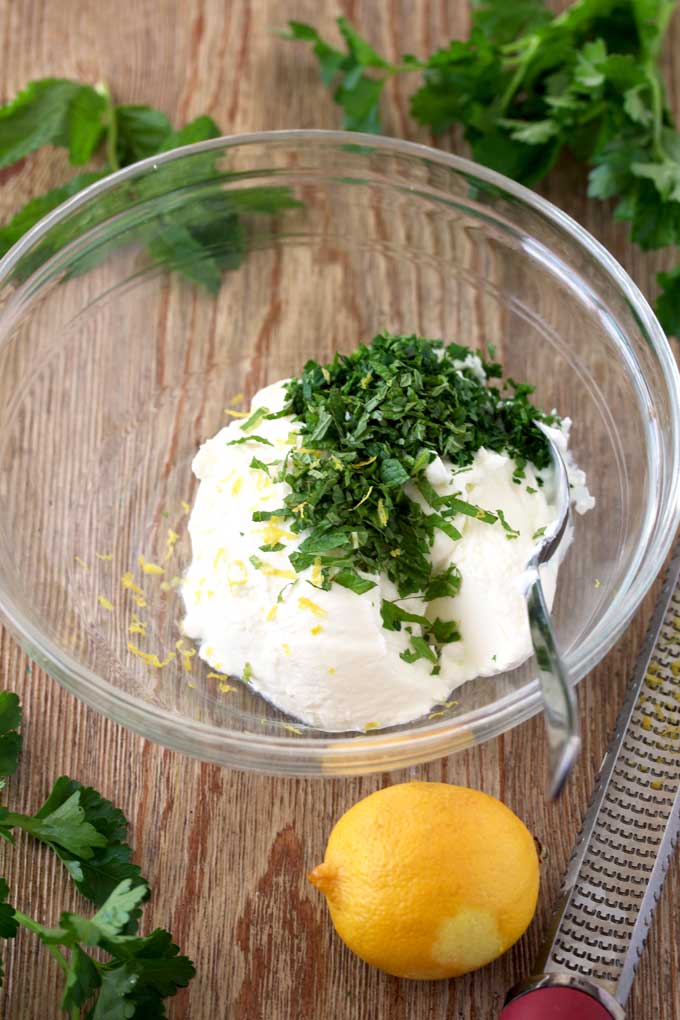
{"points": [[614, 878]]}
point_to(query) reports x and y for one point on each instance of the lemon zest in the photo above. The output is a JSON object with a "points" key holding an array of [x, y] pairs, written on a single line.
{"points": [[371, 726], [226, 688], [150, 568], [317, 575], [140, 601], [128, 582], [105, 602], [235, 414], [272, 612], [286, 648], [236, 486], [291, 729], [331, 670], [137, 626], [185, 506], [171, 542], [383, 515], [237, 399], [304, 603], [316, 629], [104, 556], [150, 658], [81, 563]]}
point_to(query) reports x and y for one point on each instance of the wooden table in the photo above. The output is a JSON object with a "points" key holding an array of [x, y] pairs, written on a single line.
{"points": [[227, 853]]}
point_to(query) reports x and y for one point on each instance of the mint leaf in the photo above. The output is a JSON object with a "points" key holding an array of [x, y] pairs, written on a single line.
{"points": [[10, 738], [140, 132], [176, 248], [51, 111], [36, 208], [198, 130]]}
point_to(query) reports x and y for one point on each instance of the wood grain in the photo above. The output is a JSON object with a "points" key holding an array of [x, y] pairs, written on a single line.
{"points": [[227, 852]]}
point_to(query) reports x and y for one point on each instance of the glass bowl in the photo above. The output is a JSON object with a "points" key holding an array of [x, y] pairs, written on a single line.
{"points": [[137, 312]]}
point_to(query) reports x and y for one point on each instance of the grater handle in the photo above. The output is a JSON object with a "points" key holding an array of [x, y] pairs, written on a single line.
{"points": [[556, 1004]]}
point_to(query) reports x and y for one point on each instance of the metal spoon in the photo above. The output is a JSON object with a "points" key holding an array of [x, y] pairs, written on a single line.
{"points": [[560, 710]]}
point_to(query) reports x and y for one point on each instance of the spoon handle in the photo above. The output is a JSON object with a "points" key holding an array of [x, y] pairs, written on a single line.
{"points": [[559, 701]]}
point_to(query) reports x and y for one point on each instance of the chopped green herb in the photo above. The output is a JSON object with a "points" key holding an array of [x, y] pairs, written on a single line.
{"points": [[272, 547], [371, 422], [350, 579], [510, 532], [539, 533], [259, 465], [256, 562], [250, 439], [254, 420], [247, 673], [531, 490]]}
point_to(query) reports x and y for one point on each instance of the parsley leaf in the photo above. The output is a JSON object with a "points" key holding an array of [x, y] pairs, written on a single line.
{"points": [[527, 85], [86, 831], [10, 738]]}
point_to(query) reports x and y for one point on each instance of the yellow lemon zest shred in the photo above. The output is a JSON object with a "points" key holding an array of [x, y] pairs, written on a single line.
{"points": [[235, 414], [150, 568], [272, 612], [128, 582], [81, 563], [105, 602], [137, 626], [140, 601], [185, 506], [170, 543], [149, 657], [238, 398], [236, 486], [104, 556], [316, 629], [286, 648], [304, 603]]}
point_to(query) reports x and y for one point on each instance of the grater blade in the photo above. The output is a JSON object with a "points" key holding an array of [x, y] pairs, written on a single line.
{"points": [[620, 860]]}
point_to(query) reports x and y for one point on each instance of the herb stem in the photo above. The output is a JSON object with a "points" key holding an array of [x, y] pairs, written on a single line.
{"points": [[111, 127], [37, 929], [657, 109], [518, 76]]}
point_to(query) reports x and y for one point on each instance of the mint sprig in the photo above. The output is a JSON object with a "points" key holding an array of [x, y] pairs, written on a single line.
{"points": [[202, 237]]}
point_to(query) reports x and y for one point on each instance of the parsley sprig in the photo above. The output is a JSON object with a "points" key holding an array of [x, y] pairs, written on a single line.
{"points": [[527, 84], [371, 422], [201, 236], [88, 834]]}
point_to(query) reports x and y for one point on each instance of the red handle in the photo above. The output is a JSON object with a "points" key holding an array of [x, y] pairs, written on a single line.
{"points": [[555, 1004]]}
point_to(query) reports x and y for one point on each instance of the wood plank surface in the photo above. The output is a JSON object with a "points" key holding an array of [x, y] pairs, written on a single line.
{"points": [[227, 852]]}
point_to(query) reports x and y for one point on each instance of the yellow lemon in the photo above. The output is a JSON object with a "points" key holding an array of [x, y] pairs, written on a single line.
{"points": [[427, 880]]}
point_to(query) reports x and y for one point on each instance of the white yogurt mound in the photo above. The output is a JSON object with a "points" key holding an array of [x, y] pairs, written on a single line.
{"points": [[324, 656]]}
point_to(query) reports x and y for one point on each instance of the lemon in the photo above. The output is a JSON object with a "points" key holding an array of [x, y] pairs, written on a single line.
{"points": [[427, 880]]}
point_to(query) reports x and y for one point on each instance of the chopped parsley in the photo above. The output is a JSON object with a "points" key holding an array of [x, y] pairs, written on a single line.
{"points": [[371, 422]]}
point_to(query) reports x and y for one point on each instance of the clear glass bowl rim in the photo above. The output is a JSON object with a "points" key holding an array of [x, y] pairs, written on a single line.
{"points": [[359, 754]]}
